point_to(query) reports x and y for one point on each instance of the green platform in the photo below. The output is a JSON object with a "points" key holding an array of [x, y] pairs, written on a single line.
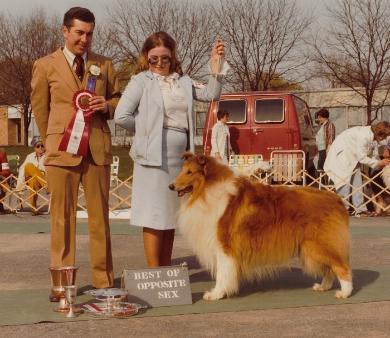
{"points": [[291, 289]]}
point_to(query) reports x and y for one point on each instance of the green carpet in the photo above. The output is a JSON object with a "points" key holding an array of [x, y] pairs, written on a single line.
{"points": [[122, 227], [117, 227], [290, 289]]}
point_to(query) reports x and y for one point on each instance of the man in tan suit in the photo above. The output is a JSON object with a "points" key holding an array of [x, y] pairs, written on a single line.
{"points": [[54, 84]]}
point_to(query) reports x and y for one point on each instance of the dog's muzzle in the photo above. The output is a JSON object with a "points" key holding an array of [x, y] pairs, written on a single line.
{"points": [[180, 192]]}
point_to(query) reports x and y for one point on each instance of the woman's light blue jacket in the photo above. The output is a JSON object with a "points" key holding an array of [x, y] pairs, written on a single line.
{"points": [[141, 110]]}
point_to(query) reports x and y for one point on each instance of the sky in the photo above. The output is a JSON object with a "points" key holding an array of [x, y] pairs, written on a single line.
{"points": [[99, 7], [17, 7]]}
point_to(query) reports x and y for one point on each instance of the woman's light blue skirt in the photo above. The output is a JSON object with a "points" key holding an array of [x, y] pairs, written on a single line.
{"points": [[153, 205]]}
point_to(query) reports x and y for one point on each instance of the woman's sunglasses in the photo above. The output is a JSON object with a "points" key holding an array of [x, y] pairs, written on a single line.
{"points": [[164, 60], [40, 146]]}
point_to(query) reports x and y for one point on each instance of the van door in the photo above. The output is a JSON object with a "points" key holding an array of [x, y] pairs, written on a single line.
{"points": [[239, 128], [269, 128]]}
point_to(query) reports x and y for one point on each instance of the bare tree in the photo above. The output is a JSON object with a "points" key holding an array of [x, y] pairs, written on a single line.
{"points": [[191, 24], [103, 37], [22, 41], [355, 52], [263, 39]]}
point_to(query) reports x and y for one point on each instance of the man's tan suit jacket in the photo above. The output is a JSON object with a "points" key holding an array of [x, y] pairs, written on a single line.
{"points": [[54, 84]]}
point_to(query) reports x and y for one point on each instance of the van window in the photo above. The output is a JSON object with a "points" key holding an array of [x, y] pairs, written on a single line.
{"points": [[304, 117], [236, 110], [269, 110]]}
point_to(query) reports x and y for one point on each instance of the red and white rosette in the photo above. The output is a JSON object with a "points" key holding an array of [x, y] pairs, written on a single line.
{"points": [[76, 137]]}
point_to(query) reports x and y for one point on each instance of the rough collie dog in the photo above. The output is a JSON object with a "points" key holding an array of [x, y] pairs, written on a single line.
{"points": [[381, 191], [241, 230]]}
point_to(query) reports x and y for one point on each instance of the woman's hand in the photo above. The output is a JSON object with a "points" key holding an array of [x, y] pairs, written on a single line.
{"points": [[217, 54]]}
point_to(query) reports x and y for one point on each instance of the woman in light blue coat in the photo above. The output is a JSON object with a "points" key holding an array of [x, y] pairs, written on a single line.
{"points": [[157, 107]]}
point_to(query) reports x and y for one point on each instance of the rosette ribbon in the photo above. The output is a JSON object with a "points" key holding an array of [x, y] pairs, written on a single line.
{"points": [[76, 137]]}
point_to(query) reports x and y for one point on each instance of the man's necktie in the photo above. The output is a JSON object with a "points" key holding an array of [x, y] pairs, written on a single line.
{"points": [[79, 67]]}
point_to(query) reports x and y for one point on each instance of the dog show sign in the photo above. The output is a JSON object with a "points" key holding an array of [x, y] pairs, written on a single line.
{"points": [[162, 286]]}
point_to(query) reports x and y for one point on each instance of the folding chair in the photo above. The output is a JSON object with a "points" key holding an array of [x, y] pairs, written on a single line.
{"points": [[288, 167]]}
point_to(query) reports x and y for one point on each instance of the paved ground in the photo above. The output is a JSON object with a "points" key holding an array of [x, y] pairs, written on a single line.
{"points": [[24, 259]]}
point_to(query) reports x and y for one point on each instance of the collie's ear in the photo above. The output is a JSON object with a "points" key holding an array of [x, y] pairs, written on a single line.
{"points": [[187, 155], [202, 159]]}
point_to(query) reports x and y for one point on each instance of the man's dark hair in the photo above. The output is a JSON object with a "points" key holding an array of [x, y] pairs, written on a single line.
{"points": [[221, 114], [79, 13], [381, 129], [323, 113]]}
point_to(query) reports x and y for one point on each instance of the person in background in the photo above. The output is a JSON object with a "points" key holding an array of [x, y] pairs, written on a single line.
{"points": [[324, 137], [157, 106], [352, 147], [386, 151], [4, 173], [32, 172], [220, 138], [56, 78]]}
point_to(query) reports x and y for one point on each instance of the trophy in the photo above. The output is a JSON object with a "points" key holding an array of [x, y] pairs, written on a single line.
{"points": [[70, 295], [61, 277]]}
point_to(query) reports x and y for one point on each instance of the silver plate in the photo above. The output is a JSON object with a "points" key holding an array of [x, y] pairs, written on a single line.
{"points": [[114, 310], [107, 293]]}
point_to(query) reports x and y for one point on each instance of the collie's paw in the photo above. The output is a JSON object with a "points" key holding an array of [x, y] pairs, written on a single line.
{"points": [[342, 294], [346, 289], [320, 287], [213, 295]]}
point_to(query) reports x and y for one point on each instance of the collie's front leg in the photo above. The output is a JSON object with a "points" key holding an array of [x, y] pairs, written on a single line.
{"points": [[226, 278]]}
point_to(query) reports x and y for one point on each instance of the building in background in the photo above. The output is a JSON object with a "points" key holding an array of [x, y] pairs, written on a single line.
{"points": [[346, 107], [11, 126]]}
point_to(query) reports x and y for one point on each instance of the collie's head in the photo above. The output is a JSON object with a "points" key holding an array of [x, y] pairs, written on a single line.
{"points": [[197, 173]]}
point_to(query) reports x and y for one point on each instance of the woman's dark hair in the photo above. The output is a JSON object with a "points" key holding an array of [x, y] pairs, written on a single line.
{"points": [[79, 13], [156, 40], [323, 113], [221, 114], [381, 129]]}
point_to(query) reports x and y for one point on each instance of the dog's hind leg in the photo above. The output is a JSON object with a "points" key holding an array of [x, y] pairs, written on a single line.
{"points": [[327, 281], [344, 275], [318, 261], [226, 278]]}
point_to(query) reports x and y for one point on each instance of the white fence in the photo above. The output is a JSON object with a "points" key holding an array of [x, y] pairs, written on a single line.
{"points": [[288, 168], [284, 168], [16, 201]]}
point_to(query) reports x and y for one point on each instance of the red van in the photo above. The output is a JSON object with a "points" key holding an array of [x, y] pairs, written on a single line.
{"points": [[260, 122]]}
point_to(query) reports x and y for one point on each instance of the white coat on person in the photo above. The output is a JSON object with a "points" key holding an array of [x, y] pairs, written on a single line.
{"points": [[220, 141], [351, 147]]}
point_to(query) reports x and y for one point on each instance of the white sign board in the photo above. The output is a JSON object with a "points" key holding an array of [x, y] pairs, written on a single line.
{"points": [[162, 286]]}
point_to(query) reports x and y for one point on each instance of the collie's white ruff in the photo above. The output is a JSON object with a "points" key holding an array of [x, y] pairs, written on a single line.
{"points": [[198, 223]]}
